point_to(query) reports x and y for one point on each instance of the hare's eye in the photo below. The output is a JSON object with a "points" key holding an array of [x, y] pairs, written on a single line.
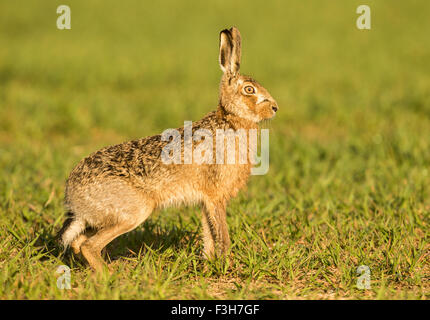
{"points": [[249, 90]]}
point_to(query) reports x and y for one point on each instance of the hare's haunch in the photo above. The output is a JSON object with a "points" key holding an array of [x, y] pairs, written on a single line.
{"points": [[115, 189]]}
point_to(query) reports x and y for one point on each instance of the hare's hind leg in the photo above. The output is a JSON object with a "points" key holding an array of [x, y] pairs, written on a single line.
{"points": [[77, 243], [91, 248], [215, 230]]}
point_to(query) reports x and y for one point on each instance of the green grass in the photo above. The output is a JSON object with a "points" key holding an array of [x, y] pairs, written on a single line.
{"points": [[349, 178]]}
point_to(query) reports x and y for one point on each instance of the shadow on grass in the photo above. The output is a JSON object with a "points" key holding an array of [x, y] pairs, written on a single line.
{"points": [[153, 236]]}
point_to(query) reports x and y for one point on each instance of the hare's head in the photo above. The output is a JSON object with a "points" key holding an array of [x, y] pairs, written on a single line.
{"points": [[241, 95]]}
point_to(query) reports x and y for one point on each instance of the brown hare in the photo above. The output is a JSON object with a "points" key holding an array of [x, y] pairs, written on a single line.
{"points": [[115, 189]]}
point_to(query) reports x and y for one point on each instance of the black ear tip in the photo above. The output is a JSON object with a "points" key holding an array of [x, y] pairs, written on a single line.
{"points": [[226, 31], [230, 31]]}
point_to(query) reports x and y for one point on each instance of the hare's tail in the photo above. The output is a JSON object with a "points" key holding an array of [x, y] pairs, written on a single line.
{"points": [[71, 229]]}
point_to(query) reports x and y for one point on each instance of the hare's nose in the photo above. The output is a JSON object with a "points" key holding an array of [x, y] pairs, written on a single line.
{"points": [[275, 108]]}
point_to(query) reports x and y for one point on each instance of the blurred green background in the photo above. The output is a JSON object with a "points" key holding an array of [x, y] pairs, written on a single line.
{"points": [[350, 146]]}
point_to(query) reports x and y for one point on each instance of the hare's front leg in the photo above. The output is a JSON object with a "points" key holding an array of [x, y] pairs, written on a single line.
{"points": [[215, 230]]}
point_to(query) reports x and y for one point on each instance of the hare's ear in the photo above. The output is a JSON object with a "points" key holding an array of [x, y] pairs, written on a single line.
{"points": [[237, 50], [230, 51]]}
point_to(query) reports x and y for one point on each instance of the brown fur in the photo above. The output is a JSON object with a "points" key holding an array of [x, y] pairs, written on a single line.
{"points": [[116, 188]]}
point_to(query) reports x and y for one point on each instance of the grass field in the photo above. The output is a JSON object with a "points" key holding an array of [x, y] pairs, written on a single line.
{"points": [[349, 178]]}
